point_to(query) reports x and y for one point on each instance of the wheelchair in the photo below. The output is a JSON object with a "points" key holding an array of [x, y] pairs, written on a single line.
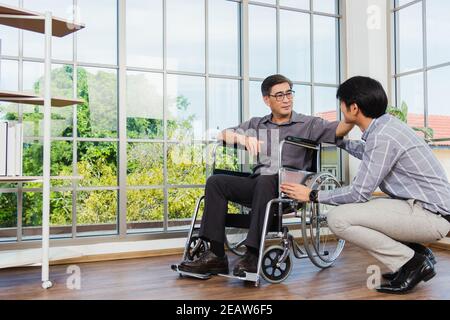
{"points": [[275, 261]]}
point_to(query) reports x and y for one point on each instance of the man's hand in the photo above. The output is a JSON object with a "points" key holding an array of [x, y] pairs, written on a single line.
{"points": [[343, 129], [296, 191], [252, 144]]}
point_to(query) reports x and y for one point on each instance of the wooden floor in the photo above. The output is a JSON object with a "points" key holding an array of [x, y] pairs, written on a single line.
{"points": [[151, 278]]}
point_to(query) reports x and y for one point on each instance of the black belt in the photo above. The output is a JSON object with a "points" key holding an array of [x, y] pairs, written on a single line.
{"points": [[447, 217]]}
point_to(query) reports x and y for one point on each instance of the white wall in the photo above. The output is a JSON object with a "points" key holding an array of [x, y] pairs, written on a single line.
{"points": [[367, 48]]}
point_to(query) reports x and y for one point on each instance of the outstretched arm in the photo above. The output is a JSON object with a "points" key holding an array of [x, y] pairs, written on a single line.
{"points": [[343, 129], [251, 143]]}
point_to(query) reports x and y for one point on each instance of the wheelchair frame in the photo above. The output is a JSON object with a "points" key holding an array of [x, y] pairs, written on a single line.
{"points": [[311, 221]]}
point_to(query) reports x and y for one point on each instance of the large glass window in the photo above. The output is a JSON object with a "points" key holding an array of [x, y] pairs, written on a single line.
{"points": [[98, 44], [295, 60], [301, 43], [141, 146], [186, 35], [224, 26], [145, 33], [438, 41], [422, 69], [409, 41], [262, 41], [33, 43], [145, 105]]}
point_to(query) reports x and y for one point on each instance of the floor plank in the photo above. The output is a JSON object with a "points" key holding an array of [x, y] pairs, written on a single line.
{"points": [[151, 278]]}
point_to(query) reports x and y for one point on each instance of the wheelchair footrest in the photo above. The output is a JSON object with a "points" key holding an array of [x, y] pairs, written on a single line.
{"points": [[176, 268], [253, 277]]}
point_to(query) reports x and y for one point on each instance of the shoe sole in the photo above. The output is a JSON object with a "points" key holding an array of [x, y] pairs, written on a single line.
{"points": [[213, 272], [216, 272], [429, 276]]}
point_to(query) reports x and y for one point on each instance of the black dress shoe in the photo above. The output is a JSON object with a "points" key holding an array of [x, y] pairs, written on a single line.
{"points": [[419, 249], [207, 263], [248, 263], [410, 275]]}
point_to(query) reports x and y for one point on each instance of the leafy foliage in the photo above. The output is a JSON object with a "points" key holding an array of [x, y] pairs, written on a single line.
{"points": [[402, 114]]}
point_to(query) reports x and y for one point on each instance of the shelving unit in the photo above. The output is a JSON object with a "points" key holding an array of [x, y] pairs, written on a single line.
{"points": [[49, 26]]}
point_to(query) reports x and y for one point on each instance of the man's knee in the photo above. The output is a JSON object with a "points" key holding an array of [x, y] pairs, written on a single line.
{"points": [[214, 181], [337, 219], [265, 181]]}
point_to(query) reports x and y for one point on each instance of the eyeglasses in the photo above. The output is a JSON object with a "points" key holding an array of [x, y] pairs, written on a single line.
{"points": [[280, 95]]}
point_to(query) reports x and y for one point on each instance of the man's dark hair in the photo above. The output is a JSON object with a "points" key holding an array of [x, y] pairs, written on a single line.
{"points": [[272, 81], [367, 93]]}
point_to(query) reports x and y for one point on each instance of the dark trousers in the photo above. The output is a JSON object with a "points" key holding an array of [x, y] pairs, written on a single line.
{"points": [[253, 192]]}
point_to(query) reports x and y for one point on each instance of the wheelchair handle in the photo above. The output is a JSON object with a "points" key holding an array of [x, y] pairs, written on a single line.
{"points": [[301, 143]]}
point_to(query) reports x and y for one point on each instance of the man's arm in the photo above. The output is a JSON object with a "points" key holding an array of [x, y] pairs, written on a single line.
{"points": [[343, 129], [378, 161], [355, 148], [230, 136], [324, 131]]}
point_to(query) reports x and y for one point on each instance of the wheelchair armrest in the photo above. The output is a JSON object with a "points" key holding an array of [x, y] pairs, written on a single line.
{"points": [[300, 142], [222, 143], [232, 173]]}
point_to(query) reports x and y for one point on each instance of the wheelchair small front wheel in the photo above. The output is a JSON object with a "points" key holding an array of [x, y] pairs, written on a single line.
{"points": [[196, 247], [274, 271]]}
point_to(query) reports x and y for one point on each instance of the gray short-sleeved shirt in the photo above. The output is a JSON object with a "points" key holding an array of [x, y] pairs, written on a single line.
{"points": [[301, 126]]}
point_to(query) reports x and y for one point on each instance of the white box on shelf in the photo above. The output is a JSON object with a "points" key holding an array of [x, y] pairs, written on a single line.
{"points": [[14, 149], [3, 147], [19, 149], [11, 152]]}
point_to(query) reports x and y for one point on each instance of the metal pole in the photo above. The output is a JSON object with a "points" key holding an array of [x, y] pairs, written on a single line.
{"points": [[122, 86], [46, 283]]}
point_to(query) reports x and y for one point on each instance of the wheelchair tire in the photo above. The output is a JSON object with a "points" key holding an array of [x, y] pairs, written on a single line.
{"points": [[196, 247], [272, 272], [319, 242]]}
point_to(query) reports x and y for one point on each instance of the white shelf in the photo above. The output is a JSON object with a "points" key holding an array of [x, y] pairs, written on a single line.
{"points": [[33, 21], [25, 98]]}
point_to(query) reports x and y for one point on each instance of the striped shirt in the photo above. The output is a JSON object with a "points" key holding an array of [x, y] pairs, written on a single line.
{"points": [[399, 162]]}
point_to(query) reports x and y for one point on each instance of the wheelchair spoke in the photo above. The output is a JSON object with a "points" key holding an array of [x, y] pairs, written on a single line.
{"points": [[318, 243]]}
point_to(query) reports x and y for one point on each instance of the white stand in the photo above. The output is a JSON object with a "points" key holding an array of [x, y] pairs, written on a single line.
{"points": [[47, 145]]}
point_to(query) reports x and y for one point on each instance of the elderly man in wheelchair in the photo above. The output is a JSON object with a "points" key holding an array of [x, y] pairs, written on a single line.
{"points": [[287, 147]]}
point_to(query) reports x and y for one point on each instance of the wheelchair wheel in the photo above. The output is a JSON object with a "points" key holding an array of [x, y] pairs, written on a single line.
{"points": [[321, 245], [196, 247], [235, 238], [272, 271]]}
